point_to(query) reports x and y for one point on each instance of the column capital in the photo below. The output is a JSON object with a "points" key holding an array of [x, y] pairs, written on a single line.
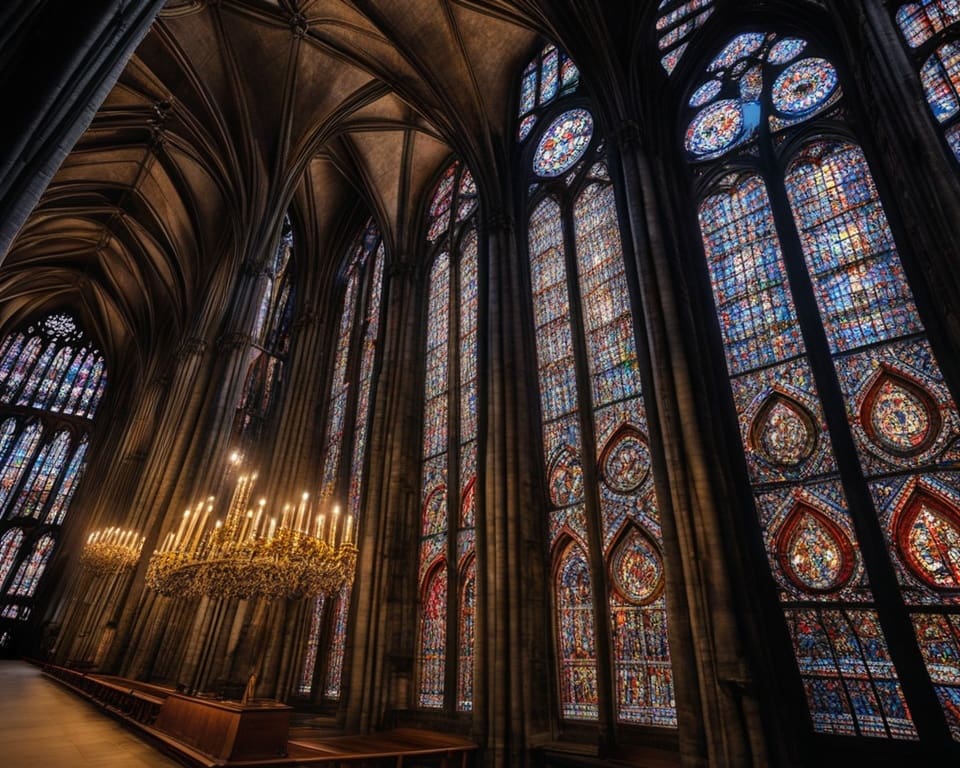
{"points": [[192, 346], [499, 220], [627, 134], [234, 340]]}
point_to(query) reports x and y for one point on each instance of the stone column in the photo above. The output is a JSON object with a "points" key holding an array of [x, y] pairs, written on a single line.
{"points": [[512, 587], [378, 667], [58, 61], [717, 706]]}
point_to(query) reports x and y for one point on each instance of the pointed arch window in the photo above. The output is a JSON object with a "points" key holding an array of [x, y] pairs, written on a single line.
{"points": [[270, 346], [677, 20], [450, 445], [52, 378], [817, 319], [931, 32], [604, 521], [349, 405]]}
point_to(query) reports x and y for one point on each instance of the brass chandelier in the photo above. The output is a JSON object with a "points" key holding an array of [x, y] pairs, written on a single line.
{"points": [[111, 550], [250, 554]]}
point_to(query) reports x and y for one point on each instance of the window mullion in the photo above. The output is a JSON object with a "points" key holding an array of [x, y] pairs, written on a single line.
{"points": [[591, 482], [891, 609]]}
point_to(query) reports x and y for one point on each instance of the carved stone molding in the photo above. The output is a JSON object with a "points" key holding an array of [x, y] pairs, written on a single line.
{"points": [[628, 135], [192, 346], [234, 340]]}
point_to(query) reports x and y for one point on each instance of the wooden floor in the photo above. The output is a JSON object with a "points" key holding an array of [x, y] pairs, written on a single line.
{"points": [[43, 725]]}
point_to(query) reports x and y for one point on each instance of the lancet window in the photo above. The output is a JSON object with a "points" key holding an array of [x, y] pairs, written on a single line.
{"points": [[270, 345], [931, 32], [677, 20], [447, 558], [845, 418], [52, 378], [604, 521], [349, 404]]}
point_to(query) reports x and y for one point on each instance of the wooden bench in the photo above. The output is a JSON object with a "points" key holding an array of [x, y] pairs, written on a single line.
{"points": [[393, 748]]}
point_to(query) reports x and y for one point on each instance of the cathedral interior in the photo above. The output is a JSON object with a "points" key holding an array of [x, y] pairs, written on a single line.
{"points": [[597, 358]]}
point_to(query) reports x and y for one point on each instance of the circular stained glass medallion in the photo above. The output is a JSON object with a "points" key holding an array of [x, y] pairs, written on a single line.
{"points": [[637, 569], [786, 50], [626, 463], [715, 128], [705, 93], [60, 326], [563, 143], [805, 86]]}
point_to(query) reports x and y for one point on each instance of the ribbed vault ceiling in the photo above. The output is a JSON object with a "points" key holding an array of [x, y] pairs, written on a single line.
{"points": [[227, 111]]}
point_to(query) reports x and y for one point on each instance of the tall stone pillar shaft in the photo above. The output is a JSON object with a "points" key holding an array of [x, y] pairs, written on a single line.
{"points": [[58, 61], [717, 709]]}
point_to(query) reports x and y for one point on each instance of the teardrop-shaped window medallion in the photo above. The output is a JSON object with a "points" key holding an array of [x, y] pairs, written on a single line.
{"points": [[928, 538], [565, 478], [783, 431], [637, 568], [625, 462], [899, 415], [814, 551]]}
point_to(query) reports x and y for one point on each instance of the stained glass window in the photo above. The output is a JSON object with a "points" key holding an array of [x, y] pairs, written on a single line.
{"points": [[9, 551], [49, 366], [607, 425], [305, 687], [931, 29], [432, 639], [466, 636], [267, 356], [24, 584], [349, 406], [550, 74], [900, 414], [676, 23], [450, 434], [563, 143]]}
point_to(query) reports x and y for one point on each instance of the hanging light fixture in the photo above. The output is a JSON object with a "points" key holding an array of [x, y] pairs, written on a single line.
{"points": [[249, 553], [111, 550]]}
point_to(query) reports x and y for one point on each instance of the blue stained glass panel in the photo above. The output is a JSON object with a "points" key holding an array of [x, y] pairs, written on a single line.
{"points": [[804, 87], [9, 551], [576, 633], [940, 76], [785, 50], [754, 304], [528, 89], [23, 365], [851, 685], [738, 48], [705, 93], [549, 74], [939, 638], [920, 21], [715, 129], [68, 486], [43, 475], [25, 583], [17, 461], [563, 143], [859, 283]]}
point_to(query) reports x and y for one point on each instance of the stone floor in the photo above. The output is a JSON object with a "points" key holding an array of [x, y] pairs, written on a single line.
{"points": [[44, 725]]}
